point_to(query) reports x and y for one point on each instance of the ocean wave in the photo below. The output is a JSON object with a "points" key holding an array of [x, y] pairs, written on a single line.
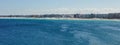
{"points": [[60, 32]]}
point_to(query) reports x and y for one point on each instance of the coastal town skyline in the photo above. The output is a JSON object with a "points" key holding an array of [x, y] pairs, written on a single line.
{"points": [[26, 7]]}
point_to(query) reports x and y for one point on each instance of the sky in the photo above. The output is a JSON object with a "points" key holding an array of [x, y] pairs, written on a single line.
{"points": [[8, 7]]}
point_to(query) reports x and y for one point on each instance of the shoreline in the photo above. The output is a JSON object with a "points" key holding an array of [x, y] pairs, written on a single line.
{"points": [[60, 18]]}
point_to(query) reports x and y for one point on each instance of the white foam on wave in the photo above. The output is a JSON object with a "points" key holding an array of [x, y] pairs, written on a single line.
{"points": [[110, 27], [64, 27], [115, 37], [92, 40]]}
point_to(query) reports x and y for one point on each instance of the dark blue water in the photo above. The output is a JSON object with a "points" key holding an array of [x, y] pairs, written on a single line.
{"points": [[59, 32]]}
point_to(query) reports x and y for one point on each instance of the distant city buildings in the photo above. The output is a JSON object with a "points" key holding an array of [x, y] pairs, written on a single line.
{"points": [[114, 15], [103, 16]]}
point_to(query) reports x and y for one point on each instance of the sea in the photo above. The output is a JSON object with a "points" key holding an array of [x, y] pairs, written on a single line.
{"points": [[59, 32]]}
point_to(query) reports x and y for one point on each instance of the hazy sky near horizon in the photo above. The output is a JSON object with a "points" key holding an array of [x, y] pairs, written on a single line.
{"points": [[58, 6]]}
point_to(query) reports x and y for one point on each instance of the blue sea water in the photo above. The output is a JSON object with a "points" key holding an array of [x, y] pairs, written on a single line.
{"points": [[59, 32]]}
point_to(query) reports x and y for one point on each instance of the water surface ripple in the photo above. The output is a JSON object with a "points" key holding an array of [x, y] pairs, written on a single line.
{"points": [[59, 32]]}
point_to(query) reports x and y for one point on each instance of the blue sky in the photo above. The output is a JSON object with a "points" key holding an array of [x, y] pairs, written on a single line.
{"points": [[58, 6]]}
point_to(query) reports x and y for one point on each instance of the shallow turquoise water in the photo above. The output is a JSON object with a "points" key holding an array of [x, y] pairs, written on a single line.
{"points": [[59, 32]]}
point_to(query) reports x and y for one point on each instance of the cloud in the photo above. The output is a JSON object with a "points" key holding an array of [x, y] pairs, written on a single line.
{"points": [[61, 11], [82, 10]]}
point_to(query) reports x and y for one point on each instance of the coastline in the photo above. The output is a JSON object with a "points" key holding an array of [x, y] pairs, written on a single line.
{"points": [[59, 18]]}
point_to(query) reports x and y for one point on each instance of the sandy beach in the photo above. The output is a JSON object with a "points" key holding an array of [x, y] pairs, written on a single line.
{"points": [[59, 18]]}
